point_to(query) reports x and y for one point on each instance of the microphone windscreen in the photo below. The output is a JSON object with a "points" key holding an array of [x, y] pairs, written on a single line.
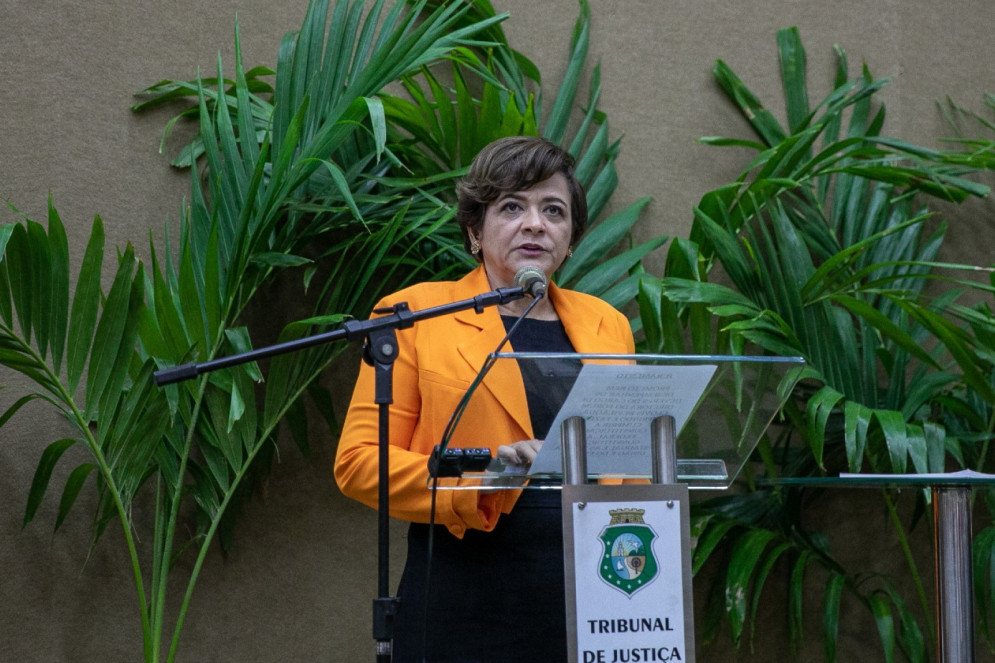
{"points": [[532, 280]]}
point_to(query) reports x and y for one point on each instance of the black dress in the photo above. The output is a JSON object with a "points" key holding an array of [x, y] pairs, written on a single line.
{"points": [[499, 595]]}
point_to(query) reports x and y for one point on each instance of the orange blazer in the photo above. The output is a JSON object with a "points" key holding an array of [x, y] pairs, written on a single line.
{"points": [[438, 360]]}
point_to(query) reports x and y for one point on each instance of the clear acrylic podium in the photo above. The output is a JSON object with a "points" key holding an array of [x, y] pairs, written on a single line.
{"points": [[715, 435], [633, 435]]}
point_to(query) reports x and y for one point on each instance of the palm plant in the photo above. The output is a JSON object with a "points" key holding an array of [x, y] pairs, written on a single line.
{"points": [[489, 90], [825, 252], [321, 174]]}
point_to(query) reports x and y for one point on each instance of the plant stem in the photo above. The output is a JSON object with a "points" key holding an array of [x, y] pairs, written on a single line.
{"points": [[170, 530], [907, 551], [216, 519], [58, 390]]}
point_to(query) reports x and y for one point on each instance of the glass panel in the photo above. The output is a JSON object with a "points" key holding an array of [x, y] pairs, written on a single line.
{"points": [[960, 478], [721, 404]]}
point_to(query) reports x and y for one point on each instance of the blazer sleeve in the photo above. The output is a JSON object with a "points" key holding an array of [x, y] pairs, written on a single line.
{"points": [[420, 409]]}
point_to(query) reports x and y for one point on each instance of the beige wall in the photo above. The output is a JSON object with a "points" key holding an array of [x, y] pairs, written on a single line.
{"points": [[299, 583]]}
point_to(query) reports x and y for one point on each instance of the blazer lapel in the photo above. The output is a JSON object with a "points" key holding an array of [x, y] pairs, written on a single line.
{"points": [[480, 333], [479, 336], [585, 324]]}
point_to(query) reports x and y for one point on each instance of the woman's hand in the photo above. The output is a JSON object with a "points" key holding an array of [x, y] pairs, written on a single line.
{"points": [[520, 453]]}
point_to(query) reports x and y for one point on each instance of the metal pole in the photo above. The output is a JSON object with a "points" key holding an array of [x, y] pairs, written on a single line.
{"points": [[663, 438], [954, 574], [381, 350], [573, 449]]}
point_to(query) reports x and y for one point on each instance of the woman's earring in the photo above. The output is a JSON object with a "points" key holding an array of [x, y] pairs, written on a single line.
{"points": [[474, 246], [570, 252]]}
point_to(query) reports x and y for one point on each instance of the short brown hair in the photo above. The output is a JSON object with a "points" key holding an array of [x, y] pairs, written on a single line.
{"points": [[515, 163]]}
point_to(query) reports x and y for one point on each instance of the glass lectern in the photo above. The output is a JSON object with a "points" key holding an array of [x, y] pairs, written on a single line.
{"points": [[721, 406], [629, 436]]}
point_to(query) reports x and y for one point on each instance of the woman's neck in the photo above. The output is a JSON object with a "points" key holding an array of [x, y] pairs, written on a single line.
{"points": [[544, 310]]}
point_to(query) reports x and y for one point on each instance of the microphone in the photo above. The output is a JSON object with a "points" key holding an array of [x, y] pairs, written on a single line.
{"points": [[532, 281]]}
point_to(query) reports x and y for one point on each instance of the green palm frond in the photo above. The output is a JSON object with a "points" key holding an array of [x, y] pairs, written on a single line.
{"points": [[826, 250], [52, 337]]}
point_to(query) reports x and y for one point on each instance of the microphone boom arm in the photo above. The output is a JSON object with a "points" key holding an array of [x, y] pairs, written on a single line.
{"points": [[400, 317]]}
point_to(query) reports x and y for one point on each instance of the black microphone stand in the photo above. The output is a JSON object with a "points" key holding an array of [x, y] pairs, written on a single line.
{"points": [[380, 350]]}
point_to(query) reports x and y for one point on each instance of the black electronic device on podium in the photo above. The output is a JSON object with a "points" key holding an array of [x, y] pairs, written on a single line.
{"points": [[633, 435]]}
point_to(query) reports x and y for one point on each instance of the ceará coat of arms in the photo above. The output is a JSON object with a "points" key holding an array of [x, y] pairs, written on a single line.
{"points": [[628, 563]]}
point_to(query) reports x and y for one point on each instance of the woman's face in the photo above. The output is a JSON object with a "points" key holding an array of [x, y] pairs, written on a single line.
{"points": [[531, 227]]}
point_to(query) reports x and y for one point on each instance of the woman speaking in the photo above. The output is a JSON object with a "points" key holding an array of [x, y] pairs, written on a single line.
{"points": [[497, 589]]}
